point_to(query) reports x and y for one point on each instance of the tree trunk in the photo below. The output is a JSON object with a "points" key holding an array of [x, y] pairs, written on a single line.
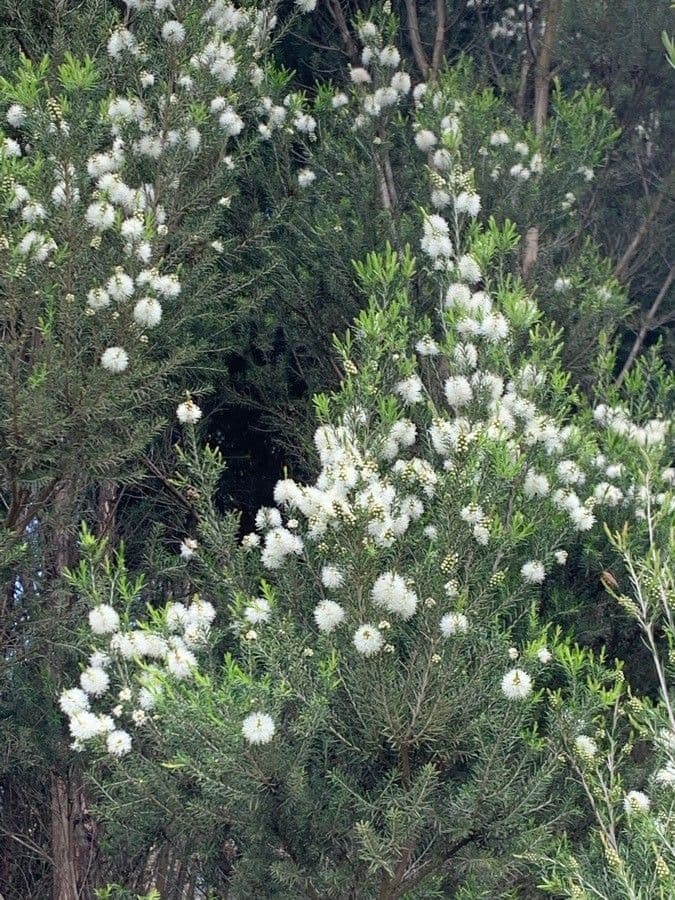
{"points": [[542, 85], [72, 850]]}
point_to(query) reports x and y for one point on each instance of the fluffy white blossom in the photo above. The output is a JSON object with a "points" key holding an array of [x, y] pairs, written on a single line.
{"points": [[148, 312], [454, 623], [368, 640], [258, 728], [16, 115], [73, 700], [115, 360], [328, 615], [585, 746], [436, 239], [257, 611], [173, 32], [392, 593], [306, 177], [458, 391], [425, 140], [410, 390], [100, 215], [636, 803], [533, 572], [332, 577], [188, 413], [499, 138], [469, 269], [118, 742], [94, 681], [468, 203], [103, 619], [516, 684]]}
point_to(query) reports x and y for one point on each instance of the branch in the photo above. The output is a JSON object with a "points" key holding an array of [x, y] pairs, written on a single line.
{"points": [[647, 325], [542, 83], [337, 13], [415, 40], [621, 270], [439, 40]]}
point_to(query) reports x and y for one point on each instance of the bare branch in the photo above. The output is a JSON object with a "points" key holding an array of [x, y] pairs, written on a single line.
{"points": [[415, 40], [648, 323]]}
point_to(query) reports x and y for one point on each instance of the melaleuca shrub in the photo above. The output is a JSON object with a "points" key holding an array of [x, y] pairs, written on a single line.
{"points": [[374, 727], [615, 728], [115, 169]]}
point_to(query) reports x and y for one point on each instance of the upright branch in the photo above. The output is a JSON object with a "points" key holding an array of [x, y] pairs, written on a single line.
{"points": [[648, 323], [542, 83]]}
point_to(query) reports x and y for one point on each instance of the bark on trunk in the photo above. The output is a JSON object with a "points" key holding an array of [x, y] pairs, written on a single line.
{"points": [[542, 85], [73, 850]]}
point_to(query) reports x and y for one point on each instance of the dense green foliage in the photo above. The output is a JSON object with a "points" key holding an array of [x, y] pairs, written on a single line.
{"points": [[198, 198]]}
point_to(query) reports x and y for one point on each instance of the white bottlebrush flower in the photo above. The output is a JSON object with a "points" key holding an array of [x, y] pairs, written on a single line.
{"points": [[636, 802], [458, 391], [561, 557], [118, 742], [10, 147], [359, 75], [328, 615], [115, 360], [94, 681], [469, 269], [188, 548], [16, 115], [258, 728], [535, 485], [340, 99], [516, 684], [544, 655], [425, 140], [85, 725], [231, 123], [73, 700], [427, 346], [390, 57], [188, 413], [332, 577], [533, 572], [458, 294], [306, 6], [100, 215], [561, 284], [120, 286], [666, 775], [400, 82], [454, 623], [179, 660], [582, 518], [103, 619], [176, 616], [148, 312], [368, 640], [499, 139], [306, 177], [392, 593], [522, 148], [257, 611], [410, 390], [468, 203], [98, 298], [173, 32], [585, 746], [436, 239]]}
